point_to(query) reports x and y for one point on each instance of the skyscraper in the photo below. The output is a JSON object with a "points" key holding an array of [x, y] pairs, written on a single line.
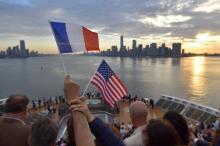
{"points": [[23, 48], [176, 52], [153, 50], [114, 51], [134, 44], [121, 41]]}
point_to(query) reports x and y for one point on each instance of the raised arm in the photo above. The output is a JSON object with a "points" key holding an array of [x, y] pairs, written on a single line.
{"points": [[103, 134], [83, 136]]}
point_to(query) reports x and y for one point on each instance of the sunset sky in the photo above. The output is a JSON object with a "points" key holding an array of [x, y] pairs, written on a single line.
{"points": [[195, 23]]}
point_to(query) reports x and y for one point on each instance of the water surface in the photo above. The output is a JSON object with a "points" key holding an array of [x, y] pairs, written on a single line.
{"points": [[196, 78]]}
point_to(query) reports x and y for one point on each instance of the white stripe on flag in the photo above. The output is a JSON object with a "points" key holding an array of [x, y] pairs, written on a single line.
{"points": [[97, 83], [103, 88], [106, 87], [113, 83], [113, 92], [75, 36], [120, 86], [97, 78]]}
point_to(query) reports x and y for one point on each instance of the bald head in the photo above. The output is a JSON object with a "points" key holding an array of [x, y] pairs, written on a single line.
{"points": [[16, 104], [138, 113], [138, 108]]}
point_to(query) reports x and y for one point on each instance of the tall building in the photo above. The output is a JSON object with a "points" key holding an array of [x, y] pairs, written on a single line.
{"points": [[153, 50], [139, 50], [176, 52], [164, 51], [145, 51], [123, 51], [23, 49], [134, 44], [121, 41], [9, 51], [114, 51], [22, 45]]}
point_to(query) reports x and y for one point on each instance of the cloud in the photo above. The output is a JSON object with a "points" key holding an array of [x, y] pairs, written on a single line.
{"points": [[135, 19], [164, 21], [209, 6]]}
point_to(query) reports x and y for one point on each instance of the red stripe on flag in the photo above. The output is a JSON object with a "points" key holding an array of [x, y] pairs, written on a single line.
{"points": [[91, 40], [106, 96], [100, 80], [120, 85], [125, 89], [115, 88], [106, 87], [112, 91], [102, 91], [117, 96]]}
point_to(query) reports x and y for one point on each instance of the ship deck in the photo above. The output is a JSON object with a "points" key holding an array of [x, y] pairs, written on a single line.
{"points": [[123, 115]]}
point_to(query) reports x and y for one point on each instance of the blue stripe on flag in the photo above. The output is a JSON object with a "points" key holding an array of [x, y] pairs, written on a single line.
{"points": [[61, 37]]}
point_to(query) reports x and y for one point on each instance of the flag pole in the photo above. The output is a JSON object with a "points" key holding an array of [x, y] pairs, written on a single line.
{"points": [[87, 86], [62, 62], [61, 57]]}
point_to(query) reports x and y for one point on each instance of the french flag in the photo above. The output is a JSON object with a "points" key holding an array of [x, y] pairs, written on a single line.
{"points": [[72, 38]]}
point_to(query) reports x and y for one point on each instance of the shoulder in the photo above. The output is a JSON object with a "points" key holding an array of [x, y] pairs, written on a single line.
{"points": [[134, 140]]}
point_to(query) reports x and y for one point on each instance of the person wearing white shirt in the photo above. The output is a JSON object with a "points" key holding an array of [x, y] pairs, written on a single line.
{"points": [[138, 116], [129, 126]]}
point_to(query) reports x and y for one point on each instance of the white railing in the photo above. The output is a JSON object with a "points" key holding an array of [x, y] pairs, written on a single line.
{"points": [[189, 103]]}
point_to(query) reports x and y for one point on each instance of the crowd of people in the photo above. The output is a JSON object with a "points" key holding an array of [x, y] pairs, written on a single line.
{"points": [[48, 102], [84, 129], [147, 101]]}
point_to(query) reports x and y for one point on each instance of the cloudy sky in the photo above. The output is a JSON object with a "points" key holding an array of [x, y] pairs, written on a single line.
{"points": [[195, 23]]}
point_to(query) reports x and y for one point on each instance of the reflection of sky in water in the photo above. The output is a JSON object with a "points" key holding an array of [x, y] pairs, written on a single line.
{"points": [[194, 78]]}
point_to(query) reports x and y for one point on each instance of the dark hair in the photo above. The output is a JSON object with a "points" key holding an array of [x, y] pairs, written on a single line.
{"points": [[160, 132], [70, 132], [180, 125], [44, 133], [16, 104]]}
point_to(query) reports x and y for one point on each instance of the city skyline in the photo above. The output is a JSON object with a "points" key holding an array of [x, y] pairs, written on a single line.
{"points": [[18, 51], [193, 23], [144, 50]]}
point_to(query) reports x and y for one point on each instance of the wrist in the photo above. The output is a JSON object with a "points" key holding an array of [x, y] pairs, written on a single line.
{"points": [[90, 118]]}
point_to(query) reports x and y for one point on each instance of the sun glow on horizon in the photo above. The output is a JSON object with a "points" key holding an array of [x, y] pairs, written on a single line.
{"points": [[203, 42]]}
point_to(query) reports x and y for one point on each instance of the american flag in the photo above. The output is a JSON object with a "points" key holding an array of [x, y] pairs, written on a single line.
{"points": [[109, 84]]}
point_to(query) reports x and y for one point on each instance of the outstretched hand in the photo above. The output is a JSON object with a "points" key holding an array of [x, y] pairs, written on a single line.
{"points": [[71, 89], [79, 105]]}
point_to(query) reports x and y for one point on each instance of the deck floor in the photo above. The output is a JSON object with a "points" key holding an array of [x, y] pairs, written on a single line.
{"points": [[123, 115]]}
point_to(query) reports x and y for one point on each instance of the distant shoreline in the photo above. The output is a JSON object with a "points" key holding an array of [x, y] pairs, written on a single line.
{"points": [[100, 55], [182, 56]]}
